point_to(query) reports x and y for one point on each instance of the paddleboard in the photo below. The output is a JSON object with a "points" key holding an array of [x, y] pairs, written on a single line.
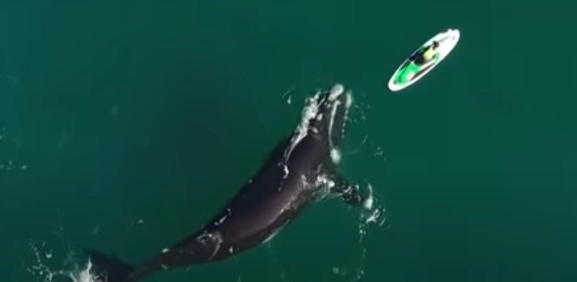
{"points": [[447, 41]]}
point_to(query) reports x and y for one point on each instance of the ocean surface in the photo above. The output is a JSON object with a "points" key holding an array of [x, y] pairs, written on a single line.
{"points": [[125, 125]]}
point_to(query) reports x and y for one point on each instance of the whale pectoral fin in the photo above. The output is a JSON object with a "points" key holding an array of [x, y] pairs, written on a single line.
{"points": [[351, 194]]}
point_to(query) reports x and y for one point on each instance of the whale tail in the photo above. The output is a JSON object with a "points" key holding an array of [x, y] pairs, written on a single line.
{"points": [[108, 268]]}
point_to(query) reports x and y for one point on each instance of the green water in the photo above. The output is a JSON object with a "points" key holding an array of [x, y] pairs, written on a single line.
{"points": [[124, 126]]}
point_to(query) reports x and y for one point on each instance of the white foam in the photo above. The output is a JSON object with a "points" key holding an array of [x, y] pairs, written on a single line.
{"points": [[76, 274]]}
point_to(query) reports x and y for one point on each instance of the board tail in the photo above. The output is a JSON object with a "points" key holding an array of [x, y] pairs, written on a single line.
{"points": [[108, 268]]}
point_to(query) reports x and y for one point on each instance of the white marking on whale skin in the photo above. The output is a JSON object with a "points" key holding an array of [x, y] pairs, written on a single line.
{"points": [[204, 237], [164, 266], [332, 121], [218, 238], [207, 237], [368, 204], [272, 235], [231, 250], [335, 155], [349, 101], [286, 171], [222, 219], [336, 91], [309, 112], [165, 250]]}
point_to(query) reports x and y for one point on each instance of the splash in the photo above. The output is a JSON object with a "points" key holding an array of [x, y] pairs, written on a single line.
{"points": [[372, 216], [8, 153], [42, 270], [287, 94]]}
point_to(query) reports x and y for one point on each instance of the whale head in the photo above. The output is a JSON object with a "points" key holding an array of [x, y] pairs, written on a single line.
{"points": [[330, 119]]}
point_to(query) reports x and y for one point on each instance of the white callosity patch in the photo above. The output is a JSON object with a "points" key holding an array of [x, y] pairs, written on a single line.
{"points": [[336, 91], [286, 171], [335, 152], [332, 121], [335, 155], [308, 113], [348, 104], [349, 100], [311, 112]]}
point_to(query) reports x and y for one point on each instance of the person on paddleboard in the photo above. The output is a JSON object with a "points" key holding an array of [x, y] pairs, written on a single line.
{"points": [[418, 60], [428, 54], [424, 59]]}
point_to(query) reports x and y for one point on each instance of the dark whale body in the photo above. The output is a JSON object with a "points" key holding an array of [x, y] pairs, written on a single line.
{"points": [[301, 170]]}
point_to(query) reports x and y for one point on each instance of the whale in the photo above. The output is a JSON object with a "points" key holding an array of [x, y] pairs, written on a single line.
{"points": [[302, 169]]}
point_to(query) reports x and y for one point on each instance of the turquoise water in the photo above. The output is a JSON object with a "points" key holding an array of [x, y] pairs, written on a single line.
{"points": [[124, 126]]}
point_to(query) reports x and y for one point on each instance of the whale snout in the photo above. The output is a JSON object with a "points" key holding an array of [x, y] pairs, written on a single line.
{"points": [[336, 91], [332, 115]]}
